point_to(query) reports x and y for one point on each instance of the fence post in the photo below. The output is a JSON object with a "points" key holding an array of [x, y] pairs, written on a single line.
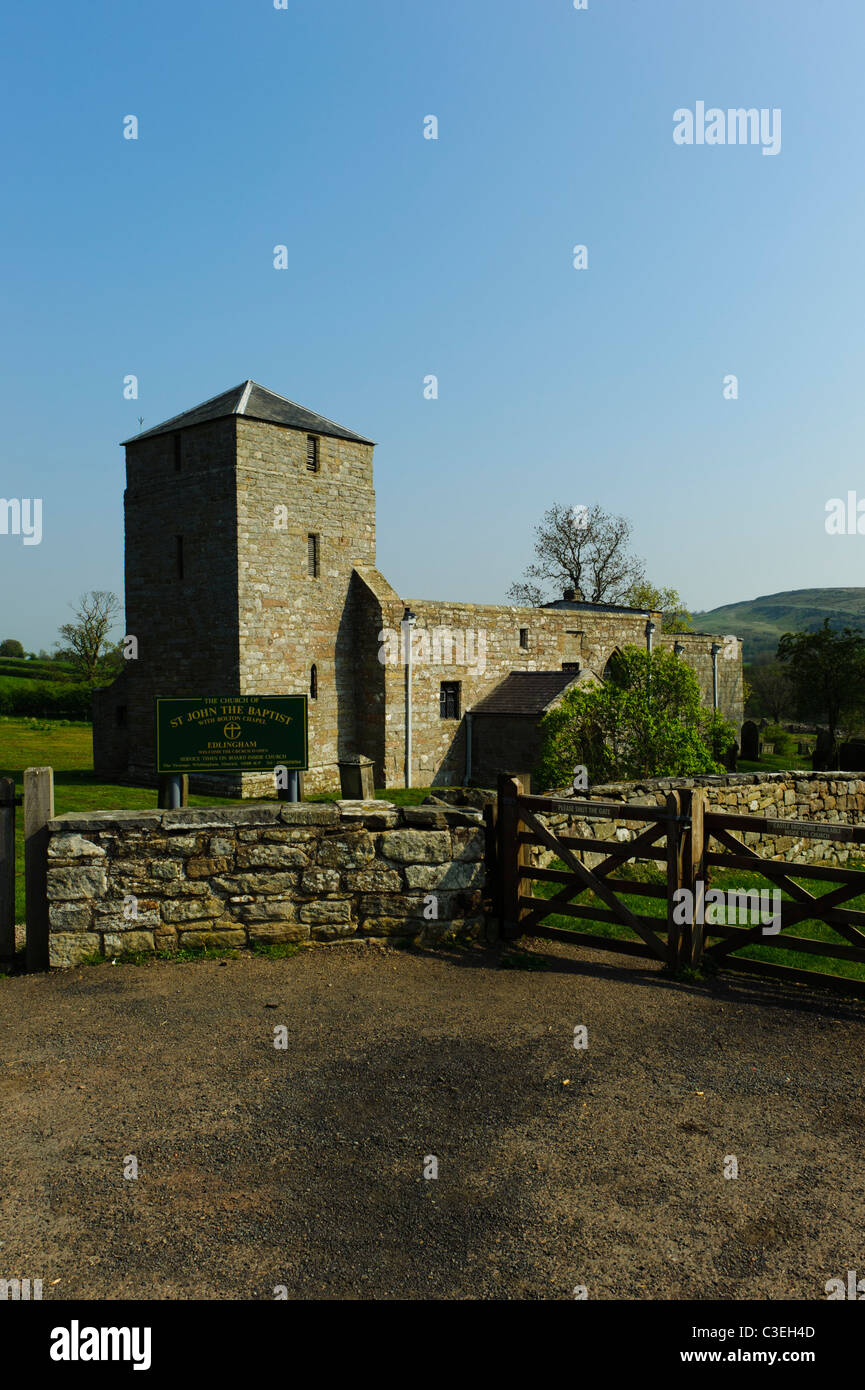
{"points": [[677, 843], [173, 791], [697, 871], [491, 868], [509, 857], [38, 811], [7, 867]]}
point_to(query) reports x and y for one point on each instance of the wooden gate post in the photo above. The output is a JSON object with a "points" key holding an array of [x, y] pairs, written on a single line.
{"points": [[38, 811], [7, 867], [678, 939], [686, 869], [696, 868], [509, 856], [491, 867]]}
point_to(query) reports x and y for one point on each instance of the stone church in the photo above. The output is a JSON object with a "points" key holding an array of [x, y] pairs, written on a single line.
{"points": [[250, 533]]}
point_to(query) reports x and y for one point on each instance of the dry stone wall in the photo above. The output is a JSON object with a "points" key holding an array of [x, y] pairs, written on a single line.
{"points": [[787, 796], [275, 872], [271, 873]]}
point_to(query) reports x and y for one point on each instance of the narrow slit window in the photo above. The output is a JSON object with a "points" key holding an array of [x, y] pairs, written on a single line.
{"points": [[179, 554], [312, 555], [312, 453], [313, 682], [524, 638], [178, 453]]}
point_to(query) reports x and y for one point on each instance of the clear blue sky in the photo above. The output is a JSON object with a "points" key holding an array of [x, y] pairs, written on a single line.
{"points": [[410, 256]]}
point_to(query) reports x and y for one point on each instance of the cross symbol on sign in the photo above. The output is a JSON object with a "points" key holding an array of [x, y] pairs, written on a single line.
{"points": [[232, 731]]}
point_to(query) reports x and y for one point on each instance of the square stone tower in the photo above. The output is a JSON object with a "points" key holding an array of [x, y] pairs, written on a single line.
{"points": [[244, 519]]}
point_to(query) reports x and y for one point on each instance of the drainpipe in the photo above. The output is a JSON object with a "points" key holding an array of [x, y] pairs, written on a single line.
{"points": [[468, 776], [408, 622], [650, 632], [715, 650]]}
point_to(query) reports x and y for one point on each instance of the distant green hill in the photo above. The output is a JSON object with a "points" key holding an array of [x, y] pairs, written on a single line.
{"points": [[761, 621]]}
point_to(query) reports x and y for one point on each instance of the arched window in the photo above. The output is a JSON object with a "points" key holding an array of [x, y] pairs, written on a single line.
{"points": [[615, 668], [313, 682]]}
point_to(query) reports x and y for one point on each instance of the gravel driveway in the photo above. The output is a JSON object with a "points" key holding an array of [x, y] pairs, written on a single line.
{"points": [[304, 1166]]}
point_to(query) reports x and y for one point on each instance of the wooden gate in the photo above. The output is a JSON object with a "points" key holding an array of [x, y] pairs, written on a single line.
{"points": [[688, 832], [520, 827], [800, 905]]}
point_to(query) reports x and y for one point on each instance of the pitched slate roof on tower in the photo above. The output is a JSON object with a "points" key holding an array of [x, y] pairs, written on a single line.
{"points": [[254, 402], [525, 692]]}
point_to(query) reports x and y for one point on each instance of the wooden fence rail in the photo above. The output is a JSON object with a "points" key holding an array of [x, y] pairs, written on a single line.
{"points": [[689, 841]]}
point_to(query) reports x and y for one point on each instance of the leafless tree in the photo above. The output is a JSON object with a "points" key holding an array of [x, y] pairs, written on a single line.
{"points": [[583, 548]]}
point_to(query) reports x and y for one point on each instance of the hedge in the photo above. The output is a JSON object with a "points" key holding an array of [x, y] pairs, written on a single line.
{"points": [[45, 699]]}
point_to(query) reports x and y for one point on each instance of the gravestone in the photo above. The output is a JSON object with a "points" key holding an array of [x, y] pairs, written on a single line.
{"points": [[825, 755], [750, 745]]}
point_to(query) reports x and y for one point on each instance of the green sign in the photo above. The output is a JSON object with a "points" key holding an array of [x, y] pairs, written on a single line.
{"points": [[232, 733]]}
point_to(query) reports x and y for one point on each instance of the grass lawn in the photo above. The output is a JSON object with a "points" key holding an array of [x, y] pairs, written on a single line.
{"points": [[723, 879], [68, 748], [775, 762]]}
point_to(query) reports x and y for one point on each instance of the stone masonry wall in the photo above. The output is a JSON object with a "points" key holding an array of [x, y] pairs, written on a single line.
{"points": [[788, 796], [273, 872], [698, 655], [186, 626], [276, 872], [289, 620], [555, 636]]}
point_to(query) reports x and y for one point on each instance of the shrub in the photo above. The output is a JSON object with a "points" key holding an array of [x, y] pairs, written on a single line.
{"points": [[783, 741], [646, 720]]}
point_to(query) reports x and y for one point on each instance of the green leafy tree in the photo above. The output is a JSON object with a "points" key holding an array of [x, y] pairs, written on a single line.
{"points": [[826, 670], [87, 644], [645, 720], [769, 691], [675, 616], [11, 647]]}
